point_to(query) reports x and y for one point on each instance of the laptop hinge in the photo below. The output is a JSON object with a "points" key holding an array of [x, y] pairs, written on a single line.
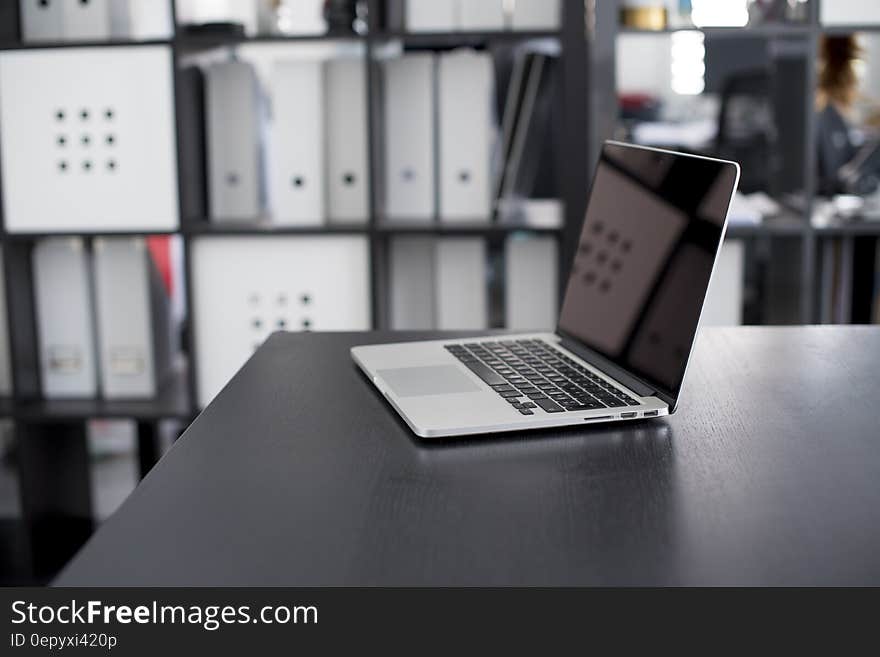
{"points": [[607, 367]]}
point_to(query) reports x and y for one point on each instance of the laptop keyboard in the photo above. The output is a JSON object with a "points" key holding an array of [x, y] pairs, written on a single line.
{"points": [[533, 376]]}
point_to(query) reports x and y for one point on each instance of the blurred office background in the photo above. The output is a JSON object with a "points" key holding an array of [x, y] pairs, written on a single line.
{"points": [[181, 178]]}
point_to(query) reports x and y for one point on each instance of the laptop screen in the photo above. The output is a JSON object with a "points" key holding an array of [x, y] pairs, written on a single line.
{"points": [[652, 230]]}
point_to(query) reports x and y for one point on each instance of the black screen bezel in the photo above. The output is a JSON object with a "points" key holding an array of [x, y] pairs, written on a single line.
{"points": [[589, 352]]}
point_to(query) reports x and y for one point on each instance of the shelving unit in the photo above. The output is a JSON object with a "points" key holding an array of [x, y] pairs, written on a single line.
{"points": [[52, 432], [373, 228], [793, 224]]}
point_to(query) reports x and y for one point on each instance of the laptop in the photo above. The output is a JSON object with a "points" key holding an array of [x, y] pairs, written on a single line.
{"points": [[651, 235]]}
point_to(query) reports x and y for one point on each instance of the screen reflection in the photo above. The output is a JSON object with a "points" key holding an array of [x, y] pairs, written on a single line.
{"points": [[653, 227]]}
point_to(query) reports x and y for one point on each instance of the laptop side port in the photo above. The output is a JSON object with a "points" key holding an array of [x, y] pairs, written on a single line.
{"points": [[627, 416], [651, 413]]}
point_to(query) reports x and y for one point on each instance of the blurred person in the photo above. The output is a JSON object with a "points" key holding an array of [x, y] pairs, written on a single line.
{"points": [[843, 165]]}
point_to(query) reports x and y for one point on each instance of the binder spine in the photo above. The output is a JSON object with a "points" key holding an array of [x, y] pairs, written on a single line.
{"points": [[63, 290], [298, 158], [410, 168], [348, 174], [234, 144], [41, 21], [465, 134]]}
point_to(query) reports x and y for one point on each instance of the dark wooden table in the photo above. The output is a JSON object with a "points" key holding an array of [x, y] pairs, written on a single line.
{"points": [[300, 474]]}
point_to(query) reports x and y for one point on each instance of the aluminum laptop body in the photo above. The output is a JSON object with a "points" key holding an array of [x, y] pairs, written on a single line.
{"points": [[651, 235]]}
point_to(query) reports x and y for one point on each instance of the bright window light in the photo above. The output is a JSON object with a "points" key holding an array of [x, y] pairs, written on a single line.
{"points": [[688, 62], [720, 13]]}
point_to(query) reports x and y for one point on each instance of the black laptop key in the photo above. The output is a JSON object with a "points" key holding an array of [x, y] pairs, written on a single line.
{"points": [[535, 396], [583, 407], [549, 405], [485, 373], [526, 411], [510, 393], [503, 388]]}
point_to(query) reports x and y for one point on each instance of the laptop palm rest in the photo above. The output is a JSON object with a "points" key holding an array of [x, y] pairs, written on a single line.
{"points": [[431, 380]]}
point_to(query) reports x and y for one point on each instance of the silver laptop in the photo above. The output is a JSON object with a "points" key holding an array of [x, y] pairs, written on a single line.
{"points": [[653, 228]]}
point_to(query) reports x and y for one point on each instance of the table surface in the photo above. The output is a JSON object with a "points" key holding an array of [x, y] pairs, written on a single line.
{"points": [[299, 473]]}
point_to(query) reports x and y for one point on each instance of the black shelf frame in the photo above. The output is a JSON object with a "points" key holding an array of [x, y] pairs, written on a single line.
{"points": [[172, 402], [857, 228], [190, 43], [849, 29], [266, 229], [765, 30], [68, 45]]}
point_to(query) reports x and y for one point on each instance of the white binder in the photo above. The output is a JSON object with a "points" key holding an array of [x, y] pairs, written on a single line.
{"points": [[431, 15], [63, 300], [300, 16], [233, 135], [348, 178], [149, 19], [536, 15], [85, 21], [413, 304], [217, 11], [246, 288], [481, 14], [724, 299], [87, 139], [531, 283], [849, 12], [41, 21], [133, 320], [465, 135], [5, 361], [297, 179], [461, 283], [409, 138]]}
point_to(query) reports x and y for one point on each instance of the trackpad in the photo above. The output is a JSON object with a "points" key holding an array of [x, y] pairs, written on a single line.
{"points": [[433, 380]]}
